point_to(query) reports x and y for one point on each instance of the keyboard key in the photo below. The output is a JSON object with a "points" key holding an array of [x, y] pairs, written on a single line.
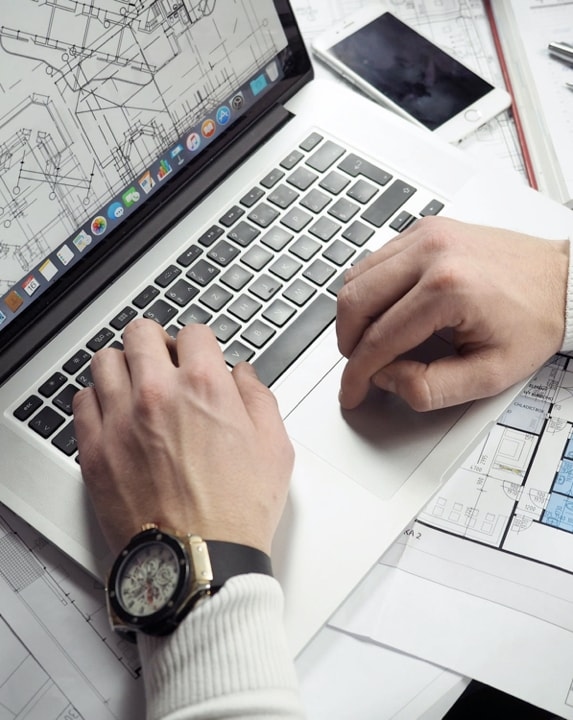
{"points": [[231, 216], [46, 422], [386, 204], [276, 238], [295, 339], [258, 333], [210, 235], [167, 276], [343, 210], [215, 298], [336, 284], [357, 233], [28, 407], [181, 292], [285, 267], [162, 312], [310, 142], [236, 277], [77, 361], [355, 166], [302, 178], [236, 353], [100, 340], [402, 221], [272, 178], [251, 197], [202, 272], [315, 201], [319, 272], [338, 252], [194, 314], [190, 255], [257, 257], [63, 400], [291, 160], [224, 328], [299, 292], [324, 229], [53, 383], [145, 297], [263, 215], [279, 312], [243, 233], [122, 319], [326, 155], [362, 191], [85, 378], [264, 287], [66, 441], [244, 307], [305, 247], [296, 219], [223, 253], [334, 182], [283, 196], [432, 208]]}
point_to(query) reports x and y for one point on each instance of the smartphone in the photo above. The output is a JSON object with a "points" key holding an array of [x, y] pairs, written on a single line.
{"points": [[404, 71]]}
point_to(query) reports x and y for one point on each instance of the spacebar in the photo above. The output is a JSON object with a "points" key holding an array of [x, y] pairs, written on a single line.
{"points": [[296, 338]]}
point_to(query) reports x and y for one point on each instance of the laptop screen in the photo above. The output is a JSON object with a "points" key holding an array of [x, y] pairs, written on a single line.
{"points": [[109, 107]]}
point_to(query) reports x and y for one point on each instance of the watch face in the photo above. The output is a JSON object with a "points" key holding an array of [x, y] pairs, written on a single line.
{"points": [[148, 579]]}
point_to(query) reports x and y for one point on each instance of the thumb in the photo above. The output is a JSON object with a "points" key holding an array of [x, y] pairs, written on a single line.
{"points": [[443, 382]]}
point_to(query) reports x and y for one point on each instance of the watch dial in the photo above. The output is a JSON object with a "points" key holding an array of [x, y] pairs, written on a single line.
{"points": [[148, 579]]}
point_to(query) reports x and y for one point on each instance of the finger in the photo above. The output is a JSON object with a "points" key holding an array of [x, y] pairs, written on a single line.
{"points": [[146, 351], [199, 351], [87, 412], [393, 246], [110, 376], [444, 382], [259, 401], [405, 326], [371, 293]]}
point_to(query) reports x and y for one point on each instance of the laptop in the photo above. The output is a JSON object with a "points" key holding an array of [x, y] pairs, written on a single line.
{"points": [[179, 162]]}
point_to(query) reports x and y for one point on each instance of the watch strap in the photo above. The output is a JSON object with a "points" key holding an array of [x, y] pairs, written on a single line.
{"points": [[229, 559]]}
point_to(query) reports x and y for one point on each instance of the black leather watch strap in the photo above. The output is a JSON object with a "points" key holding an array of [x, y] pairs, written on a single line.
{"points": [[229, 559]]}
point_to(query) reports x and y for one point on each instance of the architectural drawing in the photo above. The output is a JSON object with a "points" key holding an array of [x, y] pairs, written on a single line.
{"points": [[515, 491], [92, 92]]}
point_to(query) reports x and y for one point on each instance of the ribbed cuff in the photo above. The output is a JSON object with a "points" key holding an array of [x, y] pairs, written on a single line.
{"points": [[568, 336], [228, 658]]}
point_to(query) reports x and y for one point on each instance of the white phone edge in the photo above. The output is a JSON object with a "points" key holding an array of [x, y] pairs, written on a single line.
{"points": [[455, 129]]}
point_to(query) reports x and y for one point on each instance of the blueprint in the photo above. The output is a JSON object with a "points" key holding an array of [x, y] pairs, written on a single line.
{"points": [[60, 659], [488, 565], [91, 93]]}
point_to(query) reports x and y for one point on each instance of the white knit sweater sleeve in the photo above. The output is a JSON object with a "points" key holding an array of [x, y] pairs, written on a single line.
{"points": [[228, 659], [568, 337]]}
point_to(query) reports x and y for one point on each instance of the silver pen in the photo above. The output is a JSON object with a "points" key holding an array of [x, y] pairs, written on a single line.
{"points": [[562, 51]]}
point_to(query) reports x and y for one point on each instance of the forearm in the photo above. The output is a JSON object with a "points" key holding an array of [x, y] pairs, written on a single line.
{"points": [[568, 336], [228, 659]]}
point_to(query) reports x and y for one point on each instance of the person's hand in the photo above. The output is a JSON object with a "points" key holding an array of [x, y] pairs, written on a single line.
{"points": [[501, 293], [169, 435]]}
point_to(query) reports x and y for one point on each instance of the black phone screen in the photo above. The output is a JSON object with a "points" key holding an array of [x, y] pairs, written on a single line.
{"points": [[410, 71]]}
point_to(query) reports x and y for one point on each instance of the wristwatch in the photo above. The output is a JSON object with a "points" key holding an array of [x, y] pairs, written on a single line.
{"points": [[160, 575]]}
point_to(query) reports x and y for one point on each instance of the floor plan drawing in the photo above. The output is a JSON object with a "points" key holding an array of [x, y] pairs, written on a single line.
{"points": [[515, 491], [54, 617], [92, 92]]}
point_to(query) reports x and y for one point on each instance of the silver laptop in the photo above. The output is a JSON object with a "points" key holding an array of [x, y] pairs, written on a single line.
{"points": [[180, 163]]}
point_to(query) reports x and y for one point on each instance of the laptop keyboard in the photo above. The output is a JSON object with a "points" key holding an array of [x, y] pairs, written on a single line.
{"points": [[264, 277]]}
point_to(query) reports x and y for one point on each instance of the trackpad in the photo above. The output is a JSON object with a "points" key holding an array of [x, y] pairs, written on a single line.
{"points": [[379, 444]]}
